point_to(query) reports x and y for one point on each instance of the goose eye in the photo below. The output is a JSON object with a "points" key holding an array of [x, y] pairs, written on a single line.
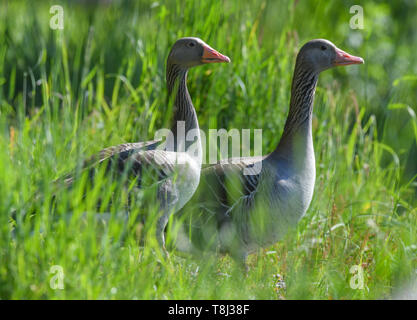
{"points": [[191, 44], [323, 48]]}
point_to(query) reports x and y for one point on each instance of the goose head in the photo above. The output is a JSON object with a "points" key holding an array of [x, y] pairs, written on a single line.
{"points": [[189, 52], [321, 54]]}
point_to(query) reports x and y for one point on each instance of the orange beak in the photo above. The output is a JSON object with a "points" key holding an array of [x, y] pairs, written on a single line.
{"points": [[344, 58], [211, 56]]}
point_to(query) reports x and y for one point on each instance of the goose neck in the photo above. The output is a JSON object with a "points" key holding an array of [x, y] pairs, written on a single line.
{"points": [[297, 135]]}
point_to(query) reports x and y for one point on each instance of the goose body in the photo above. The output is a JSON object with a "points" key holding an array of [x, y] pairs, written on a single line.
{"points": [[172, 167], [237, 208]]}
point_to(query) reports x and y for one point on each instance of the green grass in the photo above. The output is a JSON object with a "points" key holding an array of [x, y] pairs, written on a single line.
{"points": [[65, 95]]}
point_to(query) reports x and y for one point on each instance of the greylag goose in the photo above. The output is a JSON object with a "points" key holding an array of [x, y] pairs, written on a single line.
{"points": [[174, 167], [238, 208]]}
